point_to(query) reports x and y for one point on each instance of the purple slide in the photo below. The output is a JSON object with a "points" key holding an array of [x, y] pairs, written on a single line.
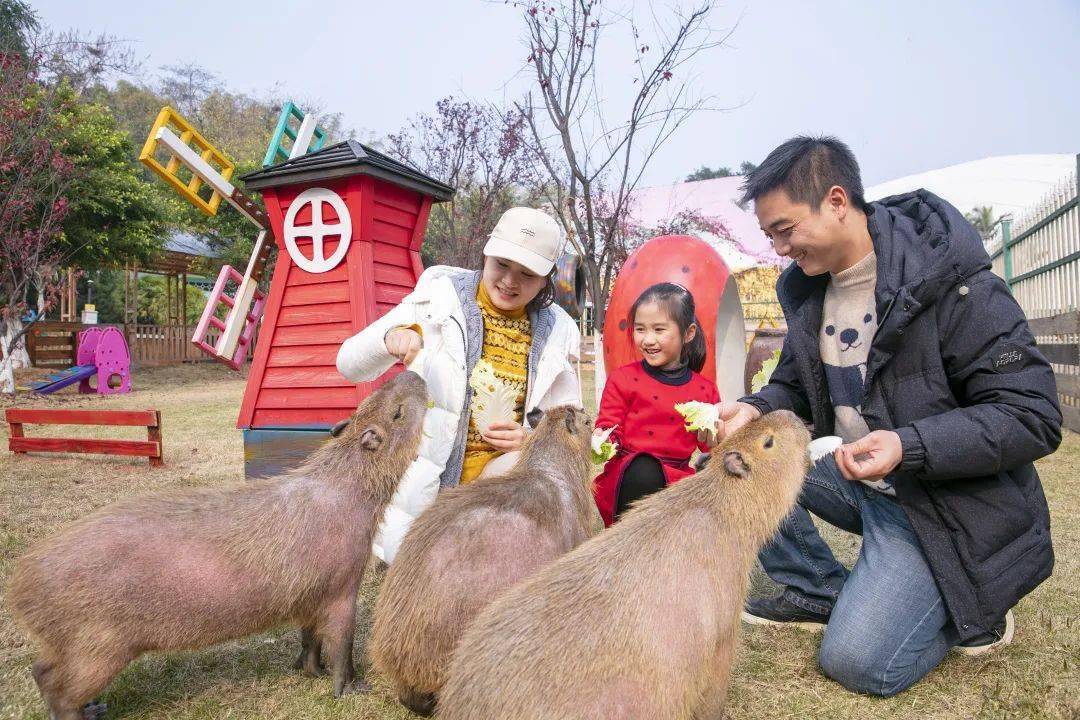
{"points": [[62, 379]]}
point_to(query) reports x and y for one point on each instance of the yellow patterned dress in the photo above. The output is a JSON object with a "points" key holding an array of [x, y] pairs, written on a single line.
{"points": [[507, 337]]}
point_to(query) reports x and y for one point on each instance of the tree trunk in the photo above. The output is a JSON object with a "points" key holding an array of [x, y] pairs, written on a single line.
{"points": [[19, 357], [7, 373]]}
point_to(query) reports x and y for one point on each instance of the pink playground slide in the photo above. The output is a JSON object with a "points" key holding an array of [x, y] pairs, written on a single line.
{"points": [[102, 353]]}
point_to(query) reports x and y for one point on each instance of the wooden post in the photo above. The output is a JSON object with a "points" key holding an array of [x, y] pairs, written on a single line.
{"points": [[184, 344], [153, 434], [15, 430]]}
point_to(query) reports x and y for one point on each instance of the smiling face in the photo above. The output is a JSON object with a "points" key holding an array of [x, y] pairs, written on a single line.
{"points": [[818, 242], [510, 286], [657, 336]]}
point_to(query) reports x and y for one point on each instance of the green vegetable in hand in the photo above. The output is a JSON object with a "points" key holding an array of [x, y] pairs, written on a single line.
{"points": [[602, 448], [761, 377], [699, 415]]}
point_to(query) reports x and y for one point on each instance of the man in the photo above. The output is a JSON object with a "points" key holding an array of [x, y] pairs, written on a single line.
{"points": [[903, 342]]}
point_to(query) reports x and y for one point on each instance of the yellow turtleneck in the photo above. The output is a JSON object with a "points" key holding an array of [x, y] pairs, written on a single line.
{"points": [[507, 337]]}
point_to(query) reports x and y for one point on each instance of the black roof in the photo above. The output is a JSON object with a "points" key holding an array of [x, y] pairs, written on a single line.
{"points": [[347, 158]]}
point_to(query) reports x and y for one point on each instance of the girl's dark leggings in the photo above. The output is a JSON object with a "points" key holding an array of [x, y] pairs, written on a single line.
{"points": [[643, 476]]}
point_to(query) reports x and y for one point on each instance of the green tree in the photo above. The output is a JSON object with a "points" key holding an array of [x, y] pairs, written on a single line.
{"points": [[707, 173], [17, 24], [114, 217], [983, 220]]}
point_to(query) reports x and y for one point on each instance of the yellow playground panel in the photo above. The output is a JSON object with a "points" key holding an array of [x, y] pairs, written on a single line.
{"points": [[171, 121]]}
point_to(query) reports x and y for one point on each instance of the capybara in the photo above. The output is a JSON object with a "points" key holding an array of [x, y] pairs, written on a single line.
{"points": [[191, 568], [472, 544], [641, 621]]}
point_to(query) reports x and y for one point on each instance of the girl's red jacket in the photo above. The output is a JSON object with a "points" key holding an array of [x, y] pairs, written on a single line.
{"points": [[641, 402]]}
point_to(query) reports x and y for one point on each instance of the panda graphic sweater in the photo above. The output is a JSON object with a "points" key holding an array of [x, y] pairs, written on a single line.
{"points": [[847, 327]]}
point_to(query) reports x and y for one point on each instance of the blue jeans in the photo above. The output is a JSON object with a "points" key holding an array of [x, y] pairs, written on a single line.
{"points": [[889, 626]]}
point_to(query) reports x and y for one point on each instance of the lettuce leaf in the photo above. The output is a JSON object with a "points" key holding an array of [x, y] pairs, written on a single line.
{"points": [[495, 398], [699, 415], [602, 448], [761, 377]]}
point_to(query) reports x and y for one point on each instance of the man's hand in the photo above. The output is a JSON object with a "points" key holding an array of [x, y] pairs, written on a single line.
{"points": [[733, 415], [403, 343], [708, 438], [870, 458], [505, 436]]}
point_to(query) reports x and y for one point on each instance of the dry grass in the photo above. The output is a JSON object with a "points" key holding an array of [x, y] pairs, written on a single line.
{"points": [[775, 674]]}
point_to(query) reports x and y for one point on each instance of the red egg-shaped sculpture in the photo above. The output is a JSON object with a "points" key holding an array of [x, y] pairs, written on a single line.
{"points": [[694, 264]]}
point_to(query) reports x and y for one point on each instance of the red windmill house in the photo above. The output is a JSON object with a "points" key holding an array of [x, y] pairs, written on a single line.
{"points": [[348, 222]]}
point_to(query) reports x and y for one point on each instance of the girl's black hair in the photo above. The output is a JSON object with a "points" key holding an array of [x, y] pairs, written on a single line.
{"points": [[544, 298], [679, 304]]}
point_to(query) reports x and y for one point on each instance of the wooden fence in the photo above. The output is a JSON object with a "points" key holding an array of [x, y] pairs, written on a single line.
{"points": [[54, 344], [1058, 337]]}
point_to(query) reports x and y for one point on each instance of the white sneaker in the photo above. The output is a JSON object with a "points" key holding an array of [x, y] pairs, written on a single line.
{"points": [[990, 641]]}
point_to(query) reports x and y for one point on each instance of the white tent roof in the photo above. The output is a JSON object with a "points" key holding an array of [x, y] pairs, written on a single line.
{"points": [[1007, 183]]}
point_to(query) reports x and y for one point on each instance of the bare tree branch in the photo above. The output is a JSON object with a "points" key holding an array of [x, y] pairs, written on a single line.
{"points": [[592, 164]]}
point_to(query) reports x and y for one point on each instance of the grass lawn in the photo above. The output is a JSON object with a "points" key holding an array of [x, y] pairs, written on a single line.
{"points": [[775, 675]]}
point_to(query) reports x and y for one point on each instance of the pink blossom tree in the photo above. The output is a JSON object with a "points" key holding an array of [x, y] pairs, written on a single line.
{"points": [[34, 179], [480, 151]]}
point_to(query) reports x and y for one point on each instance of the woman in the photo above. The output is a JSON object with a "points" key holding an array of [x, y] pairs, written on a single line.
{"points": [[500, 317]]}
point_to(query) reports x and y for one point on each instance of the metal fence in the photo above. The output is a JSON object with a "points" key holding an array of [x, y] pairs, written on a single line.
{"points": [[1039, 252], [1039, 258]]}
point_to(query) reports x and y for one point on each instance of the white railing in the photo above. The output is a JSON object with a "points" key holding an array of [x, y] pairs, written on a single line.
{"points": [[1039, 252]]}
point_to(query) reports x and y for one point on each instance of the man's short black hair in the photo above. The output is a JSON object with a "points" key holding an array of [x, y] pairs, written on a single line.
{"points": [[806, 167]]}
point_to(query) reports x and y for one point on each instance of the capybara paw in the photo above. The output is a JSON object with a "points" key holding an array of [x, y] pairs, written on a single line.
{"points": [[419, 703], [311, 668], [354, 687], [94, 710]]}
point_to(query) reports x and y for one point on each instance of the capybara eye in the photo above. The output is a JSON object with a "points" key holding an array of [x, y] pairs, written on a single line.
{"points": [[398, 414], [768, 442]]}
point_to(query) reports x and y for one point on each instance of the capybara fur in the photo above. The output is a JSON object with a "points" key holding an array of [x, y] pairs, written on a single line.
{"points": [[191, 568], [641, 621], [472, 544]]}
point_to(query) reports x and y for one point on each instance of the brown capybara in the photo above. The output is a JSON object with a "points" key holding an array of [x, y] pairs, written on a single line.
{"points": [[641, 621], [472, 544], [195, 567]]}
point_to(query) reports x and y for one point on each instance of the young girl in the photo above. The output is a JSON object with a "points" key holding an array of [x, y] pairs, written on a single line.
{"points": [[639, 399], [499, 319]]}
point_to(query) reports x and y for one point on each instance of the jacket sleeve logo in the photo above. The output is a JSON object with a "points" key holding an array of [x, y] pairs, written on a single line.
{"points": [[1008, 358]]}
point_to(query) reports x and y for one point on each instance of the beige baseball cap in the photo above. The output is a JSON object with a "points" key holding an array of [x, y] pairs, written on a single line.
{"points": [[528, 237]]}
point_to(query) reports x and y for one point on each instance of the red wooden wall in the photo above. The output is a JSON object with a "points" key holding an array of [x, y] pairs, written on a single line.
{"points": [[294, 380]]}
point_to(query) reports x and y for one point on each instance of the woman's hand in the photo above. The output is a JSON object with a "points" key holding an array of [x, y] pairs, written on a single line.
{"points": [[709, 438], [403, 343], [504, 436]]}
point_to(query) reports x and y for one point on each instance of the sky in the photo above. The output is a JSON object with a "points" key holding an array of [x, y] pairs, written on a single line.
{"points": [[910, 86]]}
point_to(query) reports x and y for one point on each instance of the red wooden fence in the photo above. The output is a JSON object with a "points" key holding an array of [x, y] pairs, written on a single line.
{"points": [[151, 419]]}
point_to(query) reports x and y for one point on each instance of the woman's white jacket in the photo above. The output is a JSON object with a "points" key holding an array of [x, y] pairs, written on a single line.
{"points": [[444, 305]]}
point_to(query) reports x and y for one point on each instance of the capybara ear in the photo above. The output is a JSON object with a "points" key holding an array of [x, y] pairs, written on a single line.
{"points": [[571, 419], [534, 417], [340, 427], [701, 462], [372, 438], [735, 464]]}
